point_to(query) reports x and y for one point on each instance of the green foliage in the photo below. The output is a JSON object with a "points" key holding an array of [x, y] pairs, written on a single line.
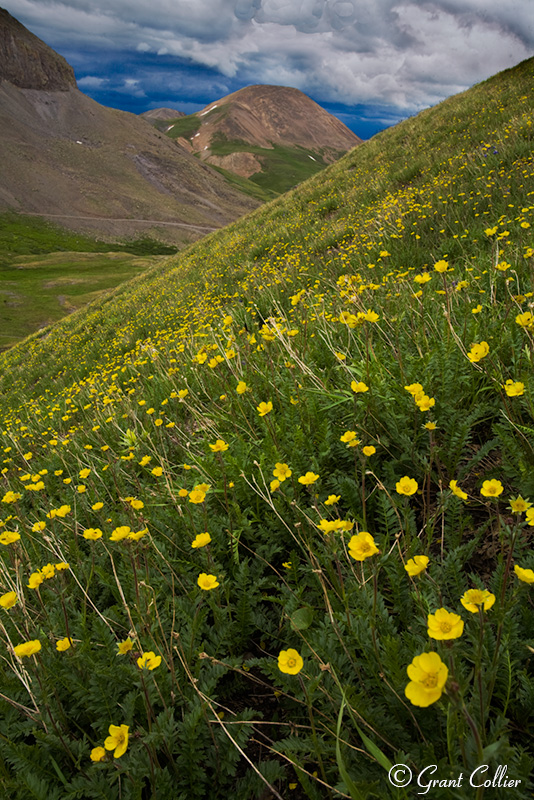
{"points": [[261, 388]]}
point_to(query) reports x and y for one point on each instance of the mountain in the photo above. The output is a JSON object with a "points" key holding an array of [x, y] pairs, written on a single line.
{"points": [[286, 478], [273, 135], [29, 63], [160, 116], [92, 168]]}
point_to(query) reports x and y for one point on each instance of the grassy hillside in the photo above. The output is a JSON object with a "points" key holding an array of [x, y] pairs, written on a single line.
{"points": [[266, 518]]}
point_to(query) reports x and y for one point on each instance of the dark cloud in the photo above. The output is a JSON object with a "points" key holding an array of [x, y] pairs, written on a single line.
{"points": [[395, 55]]}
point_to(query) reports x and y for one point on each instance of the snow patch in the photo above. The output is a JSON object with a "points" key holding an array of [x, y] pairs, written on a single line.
{"points": [[208, 110]]}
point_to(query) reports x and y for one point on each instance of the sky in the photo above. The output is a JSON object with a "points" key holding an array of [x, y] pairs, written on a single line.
{"points": [[371, 63]]}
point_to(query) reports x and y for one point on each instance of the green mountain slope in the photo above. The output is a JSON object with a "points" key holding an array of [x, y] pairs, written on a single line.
{"points": [[215, 479]]}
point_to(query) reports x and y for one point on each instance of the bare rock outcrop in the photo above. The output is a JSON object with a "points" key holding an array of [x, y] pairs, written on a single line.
{"points": [[27, 62]]}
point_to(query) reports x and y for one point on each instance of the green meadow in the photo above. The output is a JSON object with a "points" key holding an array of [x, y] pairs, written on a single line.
{"points": [[46, 272], [267, 509]]}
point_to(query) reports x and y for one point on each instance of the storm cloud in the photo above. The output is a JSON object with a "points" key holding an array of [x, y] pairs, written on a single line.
{"points": [[396, 55]]}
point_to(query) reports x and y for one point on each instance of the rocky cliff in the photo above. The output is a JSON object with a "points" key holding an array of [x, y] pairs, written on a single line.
{"points": [[27, 62]]}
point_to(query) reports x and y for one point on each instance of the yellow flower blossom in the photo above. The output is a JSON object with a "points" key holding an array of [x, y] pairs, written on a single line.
{"points": [[525, 575], [8, 600], [11, 497], [124, 647], [37, 527], [444, 625], [27, 648], [134, 537], [120, 533], [8, 537], [424, 402], [349, 438], [201, 540], [290, 661], [207, 582], [196, 496], [117, 740], [453, 485], [518, 505], [492, 488], [441, 266], [514, 388], [219, 446], [149, 660], [478, 351], [97, 754], [308, 478], [35, 579], [414, 389], [362, 546], [332, 499], [428, 676], [358, 387], [525, 319], [282, 471], [63, 644], [416, 565], [473, 599], [264, 408], [407, 486], [48, 571]]}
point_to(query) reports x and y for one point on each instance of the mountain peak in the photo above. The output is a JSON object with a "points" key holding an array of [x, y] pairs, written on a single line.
{"points": [[27, 62], [264, 115]]}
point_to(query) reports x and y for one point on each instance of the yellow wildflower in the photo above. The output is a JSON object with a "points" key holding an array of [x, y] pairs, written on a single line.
{"points": [[407, 486], [362, 545], [27, 648], [444, 625], [474, 598], [453, 485], [308, 478], [492, 488], [8, 600], [264, 408], [416, 565], [290, 661], [207, 582], [117, 740], [514, 388], [428, 676], [525, 575], [201, 540], [149, 660]]}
